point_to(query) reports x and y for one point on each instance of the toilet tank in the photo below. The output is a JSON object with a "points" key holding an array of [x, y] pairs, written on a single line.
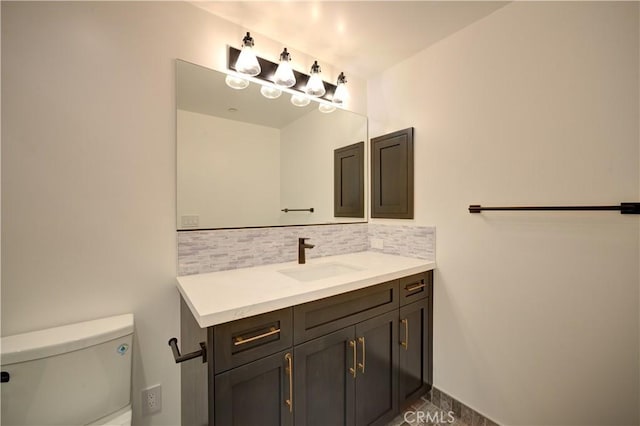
{"points": [[69, 375]]}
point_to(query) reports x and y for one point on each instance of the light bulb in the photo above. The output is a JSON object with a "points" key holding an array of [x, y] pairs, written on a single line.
{"points": [[247, 62], [270, 92], [236, 82], [284, 73], [315, 86], [341, 93], [326, 108], [300, 100]]}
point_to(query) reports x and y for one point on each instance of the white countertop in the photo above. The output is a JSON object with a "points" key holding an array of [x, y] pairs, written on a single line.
{"points": [[218, 297]]}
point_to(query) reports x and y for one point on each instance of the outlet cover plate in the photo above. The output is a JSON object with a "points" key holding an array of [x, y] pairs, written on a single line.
{"points": [[152, 400]]}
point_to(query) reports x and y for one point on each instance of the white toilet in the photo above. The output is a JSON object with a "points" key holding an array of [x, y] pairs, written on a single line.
{"points": [[78, 374]]}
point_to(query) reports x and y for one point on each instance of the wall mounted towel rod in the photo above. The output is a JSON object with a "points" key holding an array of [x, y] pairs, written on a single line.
{"points": [[624, 208], [310, 210]]}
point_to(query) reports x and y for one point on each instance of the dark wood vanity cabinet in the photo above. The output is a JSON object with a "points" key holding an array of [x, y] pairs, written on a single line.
{"points": [[415, 357], [348, 377], [352, 359], [255, 393]]}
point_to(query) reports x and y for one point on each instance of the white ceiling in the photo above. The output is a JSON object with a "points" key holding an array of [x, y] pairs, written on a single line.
{"points": [[360, 37]]}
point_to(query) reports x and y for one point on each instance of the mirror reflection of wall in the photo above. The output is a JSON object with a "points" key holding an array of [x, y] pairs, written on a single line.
{"points": [[243, 158]]}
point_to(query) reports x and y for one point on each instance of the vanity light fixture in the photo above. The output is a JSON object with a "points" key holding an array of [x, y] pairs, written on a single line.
{"points": [[247, 62], [284, 73], [340, 95], [326, 108], [275, 78], [236, 82], [270, 92], [300, 100], [315, 86]]}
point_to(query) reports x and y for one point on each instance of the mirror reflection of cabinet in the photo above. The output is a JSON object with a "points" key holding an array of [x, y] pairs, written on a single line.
{"points": [[348, 190]]}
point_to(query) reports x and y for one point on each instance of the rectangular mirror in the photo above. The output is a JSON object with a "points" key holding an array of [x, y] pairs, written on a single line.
{"points": [[243, 159]]}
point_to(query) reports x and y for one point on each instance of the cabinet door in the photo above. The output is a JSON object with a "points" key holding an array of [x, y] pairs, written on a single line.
{"points": [[324, 380], [415, 350], [392, 175], [255, 393], [376, 378]]}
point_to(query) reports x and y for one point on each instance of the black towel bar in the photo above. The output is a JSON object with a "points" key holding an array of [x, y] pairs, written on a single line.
{"points": [[624, 208], [310, 210]]}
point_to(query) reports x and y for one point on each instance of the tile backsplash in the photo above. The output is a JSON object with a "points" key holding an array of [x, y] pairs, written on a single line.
{"points": [[404, 240], [218, 250]]}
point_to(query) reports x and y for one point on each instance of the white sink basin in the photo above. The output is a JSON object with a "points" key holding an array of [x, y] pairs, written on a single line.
{"points": [[319, 271]]}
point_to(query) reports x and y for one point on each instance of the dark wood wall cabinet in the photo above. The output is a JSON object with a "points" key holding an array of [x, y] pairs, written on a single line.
{"points": [[357, 358], [348, 181], [392, 175]]}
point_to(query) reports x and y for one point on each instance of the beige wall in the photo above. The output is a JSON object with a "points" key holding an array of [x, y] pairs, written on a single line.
{"points": [[88, 166], [536, 314], [212, 186]]}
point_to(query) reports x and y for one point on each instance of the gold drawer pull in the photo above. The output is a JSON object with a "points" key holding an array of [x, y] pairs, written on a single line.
{"points": [[415, 287], [241, 340], [289, 401], [405, 344], [352, 370], [361, 364]]}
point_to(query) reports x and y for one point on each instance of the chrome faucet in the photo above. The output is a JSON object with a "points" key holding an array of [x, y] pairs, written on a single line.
{"points": [[301, 246]]}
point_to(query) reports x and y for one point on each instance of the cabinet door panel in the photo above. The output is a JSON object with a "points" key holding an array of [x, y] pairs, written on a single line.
{"points": [[323, 386], [392, 175], [377, 380], [415, 350], [254, 394]]}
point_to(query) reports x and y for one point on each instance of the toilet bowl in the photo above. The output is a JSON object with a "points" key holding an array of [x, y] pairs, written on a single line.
{"points": [[78, 374]]}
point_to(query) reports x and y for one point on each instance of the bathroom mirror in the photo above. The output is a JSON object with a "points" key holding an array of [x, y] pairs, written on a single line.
{"points": [[242, 158]]}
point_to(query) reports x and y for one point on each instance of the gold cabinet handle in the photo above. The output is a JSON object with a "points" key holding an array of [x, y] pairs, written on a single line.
{"points": [[352, 370], [241, 340], [415, 287], [405, 344], [289, 401], [361, 364]]}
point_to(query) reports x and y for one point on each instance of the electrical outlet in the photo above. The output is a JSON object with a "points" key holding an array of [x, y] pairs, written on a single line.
{"points": [[152, 400], [190, 221]]}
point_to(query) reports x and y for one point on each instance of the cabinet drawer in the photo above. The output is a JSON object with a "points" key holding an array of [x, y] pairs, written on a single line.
{"points": [[323, 316], [242, 341], [415, 287]]}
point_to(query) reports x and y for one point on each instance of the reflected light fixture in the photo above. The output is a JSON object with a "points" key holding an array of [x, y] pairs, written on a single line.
{"points": [[300, 100], [270, 92], [315, 86], [341, 93], [236, 82], [247, 62], [326, 108], [284, 73]]}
